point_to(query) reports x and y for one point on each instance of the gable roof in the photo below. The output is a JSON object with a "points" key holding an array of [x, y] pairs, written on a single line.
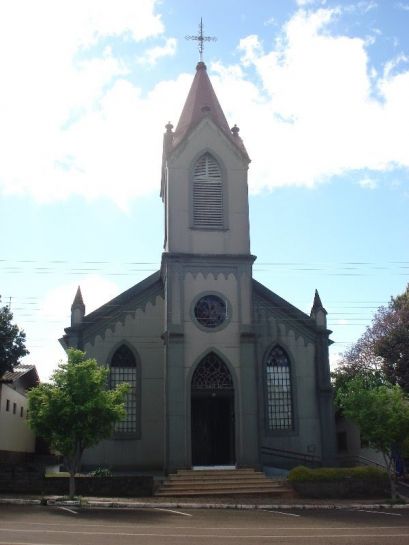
{"points": [[281, 304], [25, 374], [110, 308]]}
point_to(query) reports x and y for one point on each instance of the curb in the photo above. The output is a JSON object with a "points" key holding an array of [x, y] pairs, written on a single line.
{"points": [[176, 505]]}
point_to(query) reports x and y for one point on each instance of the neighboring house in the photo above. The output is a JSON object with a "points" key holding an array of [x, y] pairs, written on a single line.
{"points": [[223, 370], [15, 435], [352, 450]]}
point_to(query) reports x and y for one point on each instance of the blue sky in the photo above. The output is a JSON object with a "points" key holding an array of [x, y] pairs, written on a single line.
{"points": [[319, 90]]}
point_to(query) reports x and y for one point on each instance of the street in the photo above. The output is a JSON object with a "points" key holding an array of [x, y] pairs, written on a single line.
{"points": [[35, 525]]}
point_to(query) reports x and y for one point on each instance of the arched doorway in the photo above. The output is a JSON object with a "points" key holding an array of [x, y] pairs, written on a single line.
{"points": [[212, 413]]}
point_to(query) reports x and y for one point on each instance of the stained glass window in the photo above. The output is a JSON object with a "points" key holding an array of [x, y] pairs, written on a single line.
{"points": [[212, 374], [278, 389], [210, 311], [123, 369]]}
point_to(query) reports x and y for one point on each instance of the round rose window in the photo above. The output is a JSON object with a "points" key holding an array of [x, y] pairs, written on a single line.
{"points": [[210, 311]]}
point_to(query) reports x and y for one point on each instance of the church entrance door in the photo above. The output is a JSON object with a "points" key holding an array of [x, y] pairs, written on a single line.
{"points": [[212, 413]]}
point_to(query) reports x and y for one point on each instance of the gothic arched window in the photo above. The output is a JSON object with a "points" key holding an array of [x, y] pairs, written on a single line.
{"points": [[124, 369], [207, 193], [212, 374], [278, 391]]}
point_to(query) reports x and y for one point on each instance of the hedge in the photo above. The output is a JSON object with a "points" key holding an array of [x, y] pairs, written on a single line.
{"points": [[305, 474]]}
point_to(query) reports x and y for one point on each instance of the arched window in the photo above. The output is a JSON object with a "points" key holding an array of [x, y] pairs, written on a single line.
{"points": [[123, 369], [212, 374], [207, 194], [278, 390]]}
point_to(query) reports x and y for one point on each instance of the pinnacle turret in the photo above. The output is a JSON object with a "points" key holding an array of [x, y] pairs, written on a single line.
{"points": [[77, 308], [318, 312]]}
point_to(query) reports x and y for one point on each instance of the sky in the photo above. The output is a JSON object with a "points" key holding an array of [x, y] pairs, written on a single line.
{"points": [[319, 89]]}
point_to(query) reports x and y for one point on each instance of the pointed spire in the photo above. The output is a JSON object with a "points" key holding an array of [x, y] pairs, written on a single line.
{"points": [[318, 312], [77, 309], [78, 300], [202, 102], [317, 302]]}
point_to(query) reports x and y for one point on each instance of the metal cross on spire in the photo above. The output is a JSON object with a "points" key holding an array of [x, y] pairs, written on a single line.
{"points": [[200, 38]]}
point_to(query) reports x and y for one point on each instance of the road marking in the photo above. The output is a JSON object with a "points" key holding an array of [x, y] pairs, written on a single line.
{"points": [[281, 513], [172, 511], [69, 510], [377, 512], [209, 528], [206, 536]]}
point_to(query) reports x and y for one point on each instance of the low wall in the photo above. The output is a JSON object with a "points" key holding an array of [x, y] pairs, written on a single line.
{"points": [[30, 479], [343, 489]]}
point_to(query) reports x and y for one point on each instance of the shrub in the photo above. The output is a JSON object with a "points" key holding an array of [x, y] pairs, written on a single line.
{"points": [[305, 474]]}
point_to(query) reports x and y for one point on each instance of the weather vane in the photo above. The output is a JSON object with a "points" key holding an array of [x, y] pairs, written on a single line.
{"points": [[200, 38]]}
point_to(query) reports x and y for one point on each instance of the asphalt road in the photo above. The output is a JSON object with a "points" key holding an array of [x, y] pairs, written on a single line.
{"points": [[34, 525]]}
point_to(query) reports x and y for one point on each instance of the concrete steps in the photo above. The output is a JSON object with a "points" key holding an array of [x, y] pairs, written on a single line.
{"points": [[222, 482]]}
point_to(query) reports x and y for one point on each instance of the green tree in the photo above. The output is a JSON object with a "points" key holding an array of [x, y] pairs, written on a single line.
{"points": [[76, 410], [382, 413], [383, 349], [391, 342], [12, 341]]}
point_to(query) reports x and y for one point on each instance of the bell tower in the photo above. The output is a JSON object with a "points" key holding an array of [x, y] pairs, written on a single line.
{"points": [[207, 276], [204, 178]]}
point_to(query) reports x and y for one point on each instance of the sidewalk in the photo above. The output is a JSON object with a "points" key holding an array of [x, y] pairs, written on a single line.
{"points": [[204, 502]]}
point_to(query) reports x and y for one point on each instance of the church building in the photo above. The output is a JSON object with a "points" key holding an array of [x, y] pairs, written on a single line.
{"points": [[223, 370]]}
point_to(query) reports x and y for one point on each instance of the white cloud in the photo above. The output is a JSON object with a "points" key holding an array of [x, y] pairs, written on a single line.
{"points": [[403, 6], [96, 290], [315, 115], [368, 183], [54, 77], [151, 56], [302, 3], [76, 119], [54, 315]]}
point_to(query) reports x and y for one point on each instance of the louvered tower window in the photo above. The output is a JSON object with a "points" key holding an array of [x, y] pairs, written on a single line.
{"points": [[207, 194]]}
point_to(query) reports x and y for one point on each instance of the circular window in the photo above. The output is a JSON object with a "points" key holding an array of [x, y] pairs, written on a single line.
{"points": [[210, 311]]}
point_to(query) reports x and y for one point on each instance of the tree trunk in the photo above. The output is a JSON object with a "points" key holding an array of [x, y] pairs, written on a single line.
{"points": [[72, 485], [394, 494], [390, 468], [73, 462]]}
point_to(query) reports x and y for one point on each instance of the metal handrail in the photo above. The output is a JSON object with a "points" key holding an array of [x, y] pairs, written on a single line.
{"points": [[292, 455]]}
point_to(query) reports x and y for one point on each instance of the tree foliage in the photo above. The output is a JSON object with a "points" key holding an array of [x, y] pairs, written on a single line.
{"points": [[12, 341], [76, 410], [392, 341], [382, 414], [383, 350]]}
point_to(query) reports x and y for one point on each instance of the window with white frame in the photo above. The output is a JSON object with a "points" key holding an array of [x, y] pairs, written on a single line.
{"points": [[278, 391], [207, 194], [123, 369]]}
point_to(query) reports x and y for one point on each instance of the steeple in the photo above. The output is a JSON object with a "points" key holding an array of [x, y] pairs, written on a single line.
{"points": [[77, 309], [202, 102], [318, 312]]}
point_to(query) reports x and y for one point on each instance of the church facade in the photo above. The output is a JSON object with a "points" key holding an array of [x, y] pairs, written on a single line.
{"points": [[223, 371]]}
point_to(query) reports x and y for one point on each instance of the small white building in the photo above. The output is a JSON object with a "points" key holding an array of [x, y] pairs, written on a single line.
{"points": [[15, 434]]}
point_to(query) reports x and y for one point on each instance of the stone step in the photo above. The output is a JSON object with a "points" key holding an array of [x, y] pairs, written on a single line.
{"points": [[222, 482], [219, 472], [225, 491], [224, 478], [218, 482], [205, 486], [207, 476]]}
